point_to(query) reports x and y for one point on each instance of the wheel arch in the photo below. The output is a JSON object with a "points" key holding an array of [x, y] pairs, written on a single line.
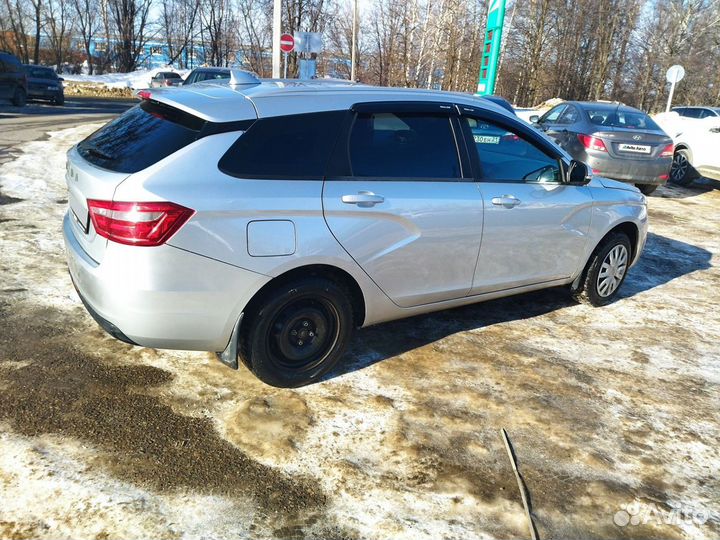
{"points": [[630, 229], [327, 271], [686, 147]]}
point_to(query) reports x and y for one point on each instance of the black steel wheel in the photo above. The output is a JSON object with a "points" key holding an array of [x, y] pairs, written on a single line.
{"points": [[298, 333]]}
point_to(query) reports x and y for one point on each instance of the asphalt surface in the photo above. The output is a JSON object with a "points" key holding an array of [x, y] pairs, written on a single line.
{"points": [[30, 123]]}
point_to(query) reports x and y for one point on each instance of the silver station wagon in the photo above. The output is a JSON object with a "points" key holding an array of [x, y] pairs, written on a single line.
{"points": [[265, 221]]}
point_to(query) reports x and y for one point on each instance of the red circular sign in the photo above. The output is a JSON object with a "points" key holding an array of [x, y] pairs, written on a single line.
{"points": [[287, 43]]}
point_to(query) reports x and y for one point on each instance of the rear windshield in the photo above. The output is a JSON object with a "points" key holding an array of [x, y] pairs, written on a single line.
{"points": [[172, 76], [141, 137], [621, 119]]}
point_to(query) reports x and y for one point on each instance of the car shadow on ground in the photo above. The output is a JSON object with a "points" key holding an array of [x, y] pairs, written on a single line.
{"points": [[697, 187], [663, 260]]}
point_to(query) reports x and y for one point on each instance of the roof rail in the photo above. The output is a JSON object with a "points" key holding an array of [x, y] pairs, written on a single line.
{"points": [[242, 77]]}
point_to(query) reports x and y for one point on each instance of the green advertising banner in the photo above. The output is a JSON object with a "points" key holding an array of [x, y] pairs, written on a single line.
{"points": [[491, 48]]}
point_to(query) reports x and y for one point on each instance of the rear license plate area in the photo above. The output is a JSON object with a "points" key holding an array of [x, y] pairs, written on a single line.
{"points": [[634, 148]]}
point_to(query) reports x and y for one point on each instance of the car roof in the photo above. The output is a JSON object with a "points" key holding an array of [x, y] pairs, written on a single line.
{"points": [[212, 68], [220, 101], [604, 106]]}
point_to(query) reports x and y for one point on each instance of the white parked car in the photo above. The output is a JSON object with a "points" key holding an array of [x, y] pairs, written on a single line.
{"points": [[697, 150], [267, 220]]}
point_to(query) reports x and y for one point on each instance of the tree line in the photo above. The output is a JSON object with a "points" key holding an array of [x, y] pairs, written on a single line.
{"points": [[573, 49]]}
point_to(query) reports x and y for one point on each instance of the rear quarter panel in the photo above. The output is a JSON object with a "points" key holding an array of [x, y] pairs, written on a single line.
{"points": [[225, 206]]}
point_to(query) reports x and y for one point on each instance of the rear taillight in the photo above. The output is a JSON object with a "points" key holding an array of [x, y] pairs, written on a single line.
{"points": [[144, 94], [668, 151], [137, 224], [592, 143], [167, 83]]}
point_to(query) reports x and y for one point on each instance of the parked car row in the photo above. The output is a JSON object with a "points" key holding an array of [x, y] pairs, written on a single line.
{"points": [[170, 78], [624, 143], [20, 82], [614, 140]]}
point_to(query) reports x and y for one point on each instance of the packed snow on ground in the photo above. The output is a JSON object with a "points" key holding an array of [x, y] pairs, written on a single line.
{"points": [[135, 80]]}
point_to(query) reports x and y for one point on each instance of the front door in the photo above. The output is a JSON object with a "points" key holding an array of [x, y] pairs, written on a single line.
{"points": [[404, 207], [535, 226]]}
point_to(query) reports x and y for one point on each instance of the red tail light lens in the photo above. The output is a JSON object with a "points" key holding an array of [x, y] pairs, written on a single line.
{"points": [[592, 143], [144, 94], [669, 151], [137, 224]]}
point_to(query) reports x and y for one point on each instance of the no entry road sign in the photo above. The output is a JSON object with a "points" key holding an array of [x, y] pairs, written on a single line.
{"points": [[287, 43]]}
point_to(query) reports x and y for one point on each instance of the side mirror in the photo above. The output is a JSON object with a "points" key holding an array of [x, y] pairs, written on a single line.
{"points": [[578, 174], [534, 119], [60, 79]]}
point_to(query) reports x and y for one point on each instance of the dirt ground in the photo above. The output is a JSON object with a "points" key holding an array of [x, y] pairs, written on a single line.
{"points": [[613, 412]]}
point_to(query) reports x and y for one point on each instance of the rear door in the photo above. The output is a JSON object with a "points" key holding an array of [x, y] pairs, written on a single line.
{"points": [[402, 202], [535, 227]]}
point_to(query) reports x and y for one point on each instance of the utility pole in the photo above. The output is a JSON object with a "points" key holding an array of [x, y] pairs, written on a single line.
{"points": [[353, 55], [277, 21]]}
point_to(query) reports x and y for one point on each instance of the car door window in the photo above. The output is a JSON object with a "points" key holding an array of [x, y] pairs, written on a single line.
{"points": [[552, 116], [404, 145], [693, 113], [569, 115], [284, 147], [506, 156]]}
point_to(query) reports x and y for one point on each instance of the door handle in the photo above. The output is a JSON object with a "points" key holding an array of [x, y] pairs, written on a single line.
{"points": [[364, 199], [508, 201]]}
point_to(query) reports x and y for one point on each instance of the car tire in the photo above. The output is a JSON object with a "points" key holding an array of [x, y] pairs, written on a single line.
{"points": [[298, 332], [19, 98], [605, 272], [646, 189], [59, 101], [682, 172]]}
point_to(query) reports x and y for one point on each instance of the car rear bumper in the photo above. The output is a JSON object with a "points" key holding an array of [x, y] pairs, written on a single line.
{"points": [[636, 171], [161, 297]]}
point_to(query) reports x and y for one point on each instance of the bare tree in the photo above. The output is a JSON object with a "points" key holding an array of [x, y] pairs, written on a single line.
{"points": [[130, 21], [58, 27], [88, 13], [178, 23]]}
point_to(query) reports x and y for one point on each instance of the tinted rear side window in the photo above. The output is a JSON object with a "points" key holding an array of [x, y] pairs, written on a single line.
{"points": [[141, 137], [295, 146], [403, 145]]}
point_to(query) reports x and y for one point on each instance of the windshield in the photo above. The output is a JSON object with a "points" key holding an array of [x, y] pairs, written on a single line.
{"points": [[39, 72], [621, 119]]}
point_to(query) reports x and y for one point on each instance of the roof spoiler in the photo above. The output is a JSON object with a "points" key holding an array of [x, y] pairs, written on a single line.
{"points": [[239, 77]]}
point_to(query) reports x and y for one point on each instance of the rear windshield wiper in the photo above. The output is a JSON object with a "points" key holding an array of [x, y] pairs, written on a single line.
{"points": [[96, 151]]}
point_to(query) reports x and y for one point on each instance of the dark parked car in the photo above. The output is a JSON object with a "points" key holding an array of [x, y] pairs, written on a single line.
{"points": [[697, 112], [44, 83], [166, 78], [207, 74], [13, 80], [616, 141]]}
